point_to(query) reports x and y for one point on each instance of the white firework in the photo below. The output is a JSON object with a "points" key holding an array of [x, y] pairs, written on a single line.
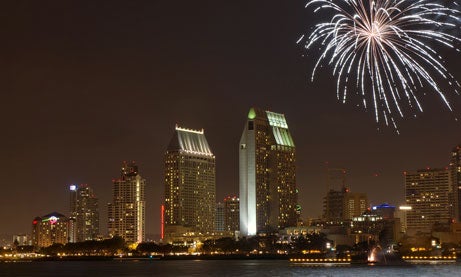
{"points": [[383, 50]]}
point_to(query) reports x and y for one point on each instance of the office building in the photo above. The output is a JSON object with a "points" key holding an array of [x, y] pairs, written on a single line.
{"points": [[455, 169], [232, 214], [84, 210], [219, 217], [50, 229], [341, 205], [333, 205], [190, 184], [127, 210], [428, 192], [355, 203], [267, 169]]}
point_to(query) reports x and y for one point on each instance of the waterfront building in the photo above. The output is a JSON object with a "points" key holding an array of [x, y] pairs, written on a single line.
{"points": [[455, 169], [401, 213], [50, 229], [333, 205], [127, 211], [355, 204], [341, 205], [84, 211], [220, 217], [428, 193], [190, 184], [267, 169], [232, 214]]}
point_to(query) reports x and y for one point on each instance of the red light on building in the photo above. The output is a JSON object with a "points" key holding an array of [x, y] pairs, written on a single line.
{"points": [[34, 222]]}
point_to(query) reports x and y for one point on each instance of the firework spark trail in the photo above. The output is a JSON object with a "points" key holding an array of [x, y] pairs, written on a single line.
{"points": [[385, 43]]}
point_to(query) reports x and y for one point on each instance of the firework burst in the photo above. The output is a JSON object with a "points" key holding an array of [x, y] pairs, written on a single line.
{"points": [[383, 50]]}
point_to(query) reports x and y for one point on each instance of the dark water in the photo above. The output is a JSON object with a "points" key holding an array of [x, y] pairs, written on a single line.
{"points": [[214, 268]]}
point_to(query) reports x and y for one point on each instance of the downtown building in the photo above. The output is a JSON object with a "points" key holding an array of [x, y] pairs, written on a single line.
{"points": [[190, 185], [429, 193], [231, 214], [342, 205], [50, 229], [267, 169], [455, 170], [228, 215], [127, 211], [84, 213]]}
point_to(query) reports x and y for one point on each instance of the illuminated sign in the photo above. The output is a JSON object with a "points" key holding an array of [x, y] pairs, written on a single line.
{"points": [[73, 187], [53, 220]]}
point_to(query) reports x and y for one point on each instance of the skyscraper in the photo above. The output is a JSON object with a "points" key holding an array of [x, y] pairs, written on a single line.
{"points": [[127, 210], [455, 168], [268, 194], [355, 204], [333, 205], [427, 192], [231, 214], [190, 184], [220, 217], [84, 211]]}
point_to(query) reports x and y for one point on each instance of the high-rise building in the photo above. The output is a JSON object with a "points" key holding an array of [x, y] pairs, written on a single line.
{"points": [[333, 205], [267, 166], [232, 214], [455, 168], [127, 210], [219, 217], [427, 192], [355, 204], [190, 184], [340, 205], [49, 229], [84, 210]]}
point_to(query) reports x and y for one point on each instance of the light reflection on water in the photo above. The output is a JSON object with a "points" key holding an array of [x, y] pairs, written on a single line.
{"points": [[218, 268]]}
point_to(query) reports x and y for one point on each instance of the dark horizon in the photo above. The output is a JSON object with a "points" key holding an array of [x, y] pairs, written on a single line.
{"points": [[88, 85]]}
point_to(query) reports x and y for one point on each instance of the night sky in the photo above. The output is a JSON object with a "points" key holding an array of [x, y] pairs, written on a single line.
{"points": [[86, 85]]}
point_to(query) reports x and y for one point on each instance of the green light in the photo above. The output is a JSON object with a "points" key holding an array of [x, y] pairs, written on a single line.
{"points": [[252, 114]]}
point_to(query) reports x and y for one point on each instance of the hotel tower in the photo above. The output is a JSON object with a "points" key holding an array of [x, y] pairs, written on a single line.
{"points": [[190, 185], [268, 194], [127, 210], [84, 213]]}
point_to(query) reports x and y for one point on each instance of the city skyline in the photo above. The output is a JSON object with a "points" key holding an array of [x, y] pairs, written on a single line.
{"points": [[68, 71]]}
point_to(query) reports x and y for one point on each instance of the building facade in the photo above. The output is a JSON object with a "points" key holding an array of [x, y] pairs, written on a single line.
{"points": [[341, 205], [127, 211], [333, 205], [231, 214], [455, 169], [190, 183], [50, 229], [267, 169], [429, 194], [355, 204], [220, 218], [85, 213]]}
